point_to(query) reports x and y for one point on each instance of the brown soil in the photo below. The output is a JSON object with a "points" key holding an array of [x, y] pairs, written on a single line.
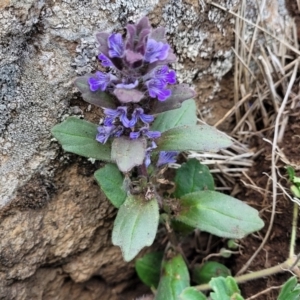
{"points": [[276, 249]]}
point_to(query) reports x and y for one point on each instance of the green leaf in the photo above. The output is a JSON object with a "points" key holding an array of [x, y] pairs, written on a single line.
{"points": [[135, 225], [191, 293], [185, 115], [291, 172], [148, 268], [218, 214], [128, 153], [111, 180], [290, 290], [79, 137], [210, 269], [192, 177], [194, 138], [225, 289], [174, 279], [97, 98], [181, 228]]}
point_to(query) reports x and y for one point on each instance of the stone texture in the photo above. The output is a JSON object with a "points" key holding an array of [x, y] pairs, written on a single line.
{"points": [[55, 224]]}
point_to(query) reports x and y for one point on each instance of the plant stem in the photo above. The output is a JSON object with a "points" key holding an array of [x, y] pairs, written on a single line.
{"points": [[294, 230], [257, 274]]}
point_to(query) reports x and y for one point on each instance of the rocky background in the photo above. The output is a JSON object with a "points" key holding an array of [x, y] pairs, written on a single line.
{"points": [[55, 224]]}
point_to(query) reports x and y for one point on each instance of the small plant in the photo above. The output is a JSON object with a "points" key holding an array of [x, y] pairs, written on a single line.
{"points": [[148, 120]]}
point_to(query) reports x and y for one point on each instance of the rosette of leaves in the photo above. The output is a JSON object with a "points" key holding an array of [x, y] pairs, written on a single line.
{"points": [[148, 120]]}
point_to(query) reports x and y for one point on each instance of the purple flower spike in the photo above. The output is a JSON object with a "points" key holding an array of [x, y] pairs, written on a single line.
{"points": [[115, 44], [105, 61], [157, 89], [166, 157], [104, 132], [156, 51], [100, 82], [163, 73]]}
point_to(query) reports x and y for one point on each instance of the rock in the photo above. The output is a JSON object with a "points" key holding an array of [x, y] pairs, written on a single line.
{"points": [[55, 226]]}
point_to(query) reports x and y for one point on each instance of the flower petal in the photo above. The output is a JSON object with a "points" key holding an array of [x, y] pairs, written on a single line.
{"points": [[156, 51], [115, 44]]}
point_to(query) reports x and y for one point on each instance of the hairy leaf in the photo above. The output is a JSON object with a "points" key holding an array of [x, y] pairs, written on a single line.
{"points": [[180, 93], [225, 289], [79, 137], [194, 138], [192, 177], [135, 225], [148, 268], [97, 98], [191, 293], [218, 214], [185, 115], [111, 182], [204, 273], [290, 290], [128, 153], [174, 279]]}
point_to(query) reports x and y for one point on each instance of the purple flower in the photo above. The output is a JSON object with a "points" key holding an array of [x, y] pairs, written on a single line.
{"points": [[121, 113], [152, 134], [115, 44], [156, 88], [156, 51], [164, 74], [101, 81], [104, 132], [166, 157], [134, 135], [123, 118], [105, 61], [148, 154], [139, 113], [118, 131]]}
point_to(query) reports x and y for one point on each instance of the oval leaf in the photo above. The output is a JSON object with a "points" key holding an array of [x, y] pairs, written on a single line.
{"points": [[180, 93], [191, 293], [175, 278], [148, 268], [192, 177], [194, 138], [204, 273], [185, 115], [135, 225], [97, 98], [111, 180], [79, 137], [218, 214], [128, 153]]}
